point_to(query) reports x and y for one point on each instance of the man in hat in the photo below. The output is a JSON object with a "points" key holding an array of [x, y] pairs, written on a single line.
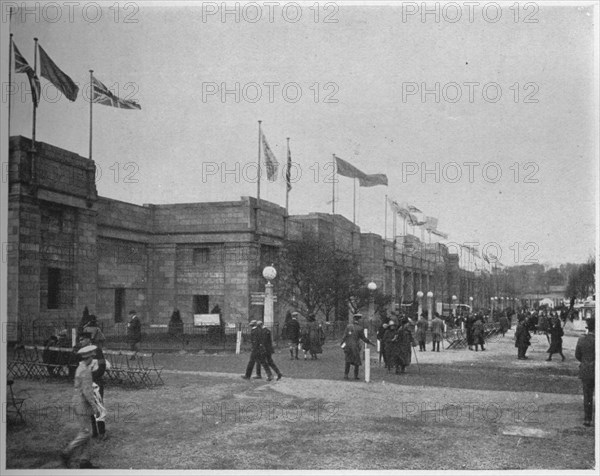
{"points": [[351, 345], [437, 332], [134, 332], [98, 368], [421, 334], [267, 348], [585, 352], [84, 406], [522, 338], [293, 335], [255, 355]]}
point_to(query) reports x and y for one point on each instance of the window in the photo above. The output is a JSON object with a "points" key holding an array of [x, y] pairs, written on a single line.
{"points": [[201, 255], [53, 288], [200, 304], [119, 304]]}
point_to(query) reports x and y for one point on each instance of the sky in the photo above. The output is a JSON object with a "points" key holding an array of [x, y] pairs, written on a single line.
{"points": [[511, 132]]}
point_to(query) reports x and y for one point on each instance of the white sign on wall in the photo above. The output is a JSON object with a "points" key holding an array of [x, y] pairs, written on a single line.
{"points": [[207, 320]]}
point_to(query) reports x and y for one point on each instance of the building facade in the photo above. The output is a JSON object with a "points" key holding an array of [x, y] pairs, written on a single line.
{"points": [[68, 248]]}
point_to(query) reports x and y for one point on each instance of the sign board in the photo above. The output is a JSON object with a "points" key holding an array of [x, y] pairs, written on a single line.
{"points": [[207, 320], [258, 299]]}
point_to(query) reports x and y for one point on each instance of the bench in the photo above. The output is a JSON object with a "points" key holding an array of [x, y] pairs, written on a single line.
{"points": [[135, 368]]}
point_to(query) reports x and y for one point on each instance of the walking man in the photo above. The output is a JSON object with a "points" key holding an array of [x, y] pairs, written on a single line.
{"points": [[522, 338], [585, 352], [267, 343], [84, 406], [351, 345], [556, 332], [258, 352], [293, 335]]}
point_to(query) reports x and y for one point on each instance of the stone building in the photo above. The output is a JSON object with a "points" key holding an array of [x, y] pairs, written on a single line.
{"points": [[69, 248]]}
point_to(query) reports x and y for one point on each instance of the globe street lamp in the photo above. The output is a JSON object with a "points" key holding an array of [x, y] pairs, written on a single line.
{"points": [[429, 305], [420, 303], [371, 287], [269, 273], [454, 299]]}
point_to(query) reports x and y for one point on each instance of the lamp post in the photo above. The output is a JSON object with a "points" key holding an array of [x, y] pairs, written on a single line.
{"points": [[454, 299], [269, 273], [420, 303], [371, 287], [429, 305], [493, 299]]}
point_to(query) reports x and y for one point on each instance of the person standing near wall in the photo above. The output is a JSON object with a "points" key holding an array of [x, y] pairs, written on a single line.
{"points": [[585, 352], [134, 332]]}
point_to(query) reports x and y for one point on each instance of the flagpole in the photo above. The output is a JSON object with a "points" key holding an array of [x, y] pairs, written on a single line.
{"points": [[10, 63], [258, 162], [333, 185], [354, 202], [34, 104], [91, 102], [385, 219], [287, 176]]}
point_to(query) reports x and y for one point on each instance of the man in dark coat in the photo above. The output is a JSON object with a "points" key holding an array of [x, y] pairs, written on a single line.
{"points": [[421, 334], [351, 345], [585, 352], [390, 344], [522, 338], [256, 356], [292, 332], [469, 330], [405, 345], [556, 332], [134, 332], [267, 344], [504, 326], [312, 338], [437, 332], [478, 333]]}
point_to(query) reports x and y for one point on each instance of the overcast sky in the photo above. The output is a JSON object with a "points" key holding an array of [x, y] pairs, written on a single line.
{"points": [[527, 110]]}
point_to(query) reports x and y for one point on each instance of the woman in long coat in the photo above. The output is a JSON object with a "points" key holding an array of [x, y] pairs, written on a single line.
{"points": [[556, 333], [390, 344], [312, 336], [351, 345], [477, 332]]}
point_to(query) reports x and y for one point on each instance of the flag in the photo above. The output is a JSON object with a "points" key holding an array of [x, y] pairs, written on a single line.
{"points": [[288, 178], [413, 209], [431, 223], [440, 234], [372, 180], [55, 75], [101, 95], [270, 160], [22, 66], [364, 180], [346, 169], [394, 205]]}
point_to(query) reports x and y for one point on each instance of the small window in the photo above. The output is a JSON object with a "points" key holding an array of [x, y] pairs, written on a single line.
{"points": [[53, 288], [201, 255]]}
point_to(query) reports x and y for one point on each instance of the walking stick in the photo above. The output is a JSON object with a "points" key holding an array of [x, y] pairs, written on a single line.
{"points": [[416, 360]]}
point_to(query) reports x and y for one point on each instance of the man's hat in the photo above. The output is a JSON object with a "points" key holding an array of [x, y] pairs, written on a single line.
{"points": [[357, 317], [253, 322], [392, 323], [385, 326], [295, 313], [259, 323], [87, 351]]}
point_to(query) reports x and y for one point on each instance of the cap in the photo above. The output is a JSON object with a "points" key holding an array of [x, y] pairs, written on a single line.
{"points": [[295, 313], [391, 323], [259, 323], [252, 322], [87, 351]]}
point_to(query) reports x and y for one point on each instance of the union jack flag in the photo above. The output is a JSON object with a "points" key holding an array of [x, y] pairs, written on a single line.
{"points": [[22, 66], [270, 161], [102, 95]]}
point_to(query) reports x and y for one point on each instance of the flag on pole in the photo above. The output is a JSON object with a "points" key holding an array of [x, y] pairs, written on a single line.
{"points": [[372, 180], [56, 76], [440, 234], [431, 223], [394, 205], [288, 178], [22, 66], [101, 95], [413, 209], [270, 160], [364, 180]]}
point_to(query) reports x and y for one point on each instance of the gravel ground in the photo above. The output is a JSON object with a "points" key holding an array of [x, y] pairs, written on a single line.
{"points": [[463, 411]]}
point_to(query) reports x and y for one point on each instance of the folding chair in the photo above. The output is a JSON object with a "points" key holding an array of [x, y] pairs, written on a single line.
{"points": [[15, 404]]}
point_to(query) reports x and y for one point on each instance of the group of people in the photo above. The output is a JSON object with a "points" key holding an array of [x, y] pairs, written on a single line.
{"points": [[261, 353], [309, 337]]}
